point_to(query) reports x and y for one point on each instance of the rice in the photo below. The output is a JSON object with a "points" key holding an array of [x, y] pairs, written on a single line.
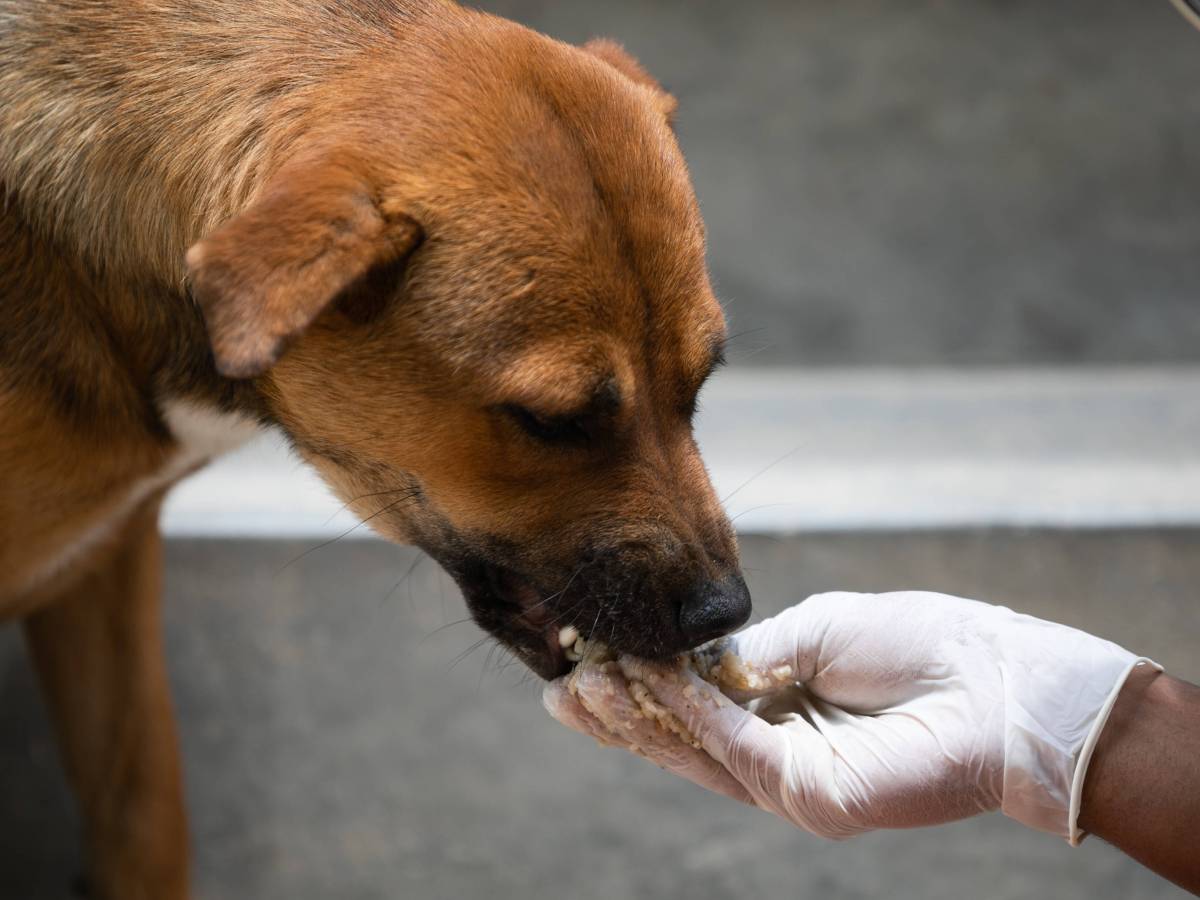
{"points": [[595, 654], [666, 720], [718, 664]]}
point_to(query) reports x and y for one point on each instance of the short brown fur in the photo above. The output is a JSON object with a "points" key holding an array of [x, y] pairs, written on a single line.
{"points": [[458, 264]]}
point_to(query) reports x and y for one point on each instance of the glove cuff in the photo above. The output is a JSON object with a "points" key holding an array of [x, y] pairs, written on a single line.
{"points": [[1076, 834], [1056, 704]]}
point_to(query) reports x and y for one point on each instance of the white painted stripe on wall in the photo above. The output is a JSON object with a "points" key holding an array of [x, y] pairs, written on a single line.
{"points": [[854, 449]]}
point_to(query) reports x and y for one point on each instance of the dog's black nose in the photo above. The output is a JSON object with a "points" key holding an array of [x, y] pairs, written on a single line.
{"points": [[715, 609]]}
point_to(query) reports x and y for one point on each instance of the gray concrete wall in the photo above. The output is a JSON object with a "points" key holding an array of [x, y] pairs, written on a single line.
{"points": [[929, 182]]}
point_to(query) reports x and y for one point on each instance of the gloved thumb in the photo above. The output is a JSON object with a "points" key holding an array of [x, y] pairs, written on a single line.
{"points": [[776, 653]]}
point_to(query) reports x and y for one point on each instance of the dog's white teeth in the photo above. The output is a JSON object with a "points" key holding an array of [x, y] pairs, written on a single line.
{"points": [[568, 636], [578, 650]]}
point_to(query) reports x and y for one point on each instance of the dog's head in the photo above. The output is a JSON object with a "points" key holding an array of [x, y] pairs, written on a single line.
{"points": [[491, 285]]}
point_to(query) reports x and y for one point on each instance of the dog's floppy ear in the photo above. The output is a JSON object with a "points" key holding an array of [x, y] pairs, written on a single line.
{"points": [[618, 57], [262, 277]]}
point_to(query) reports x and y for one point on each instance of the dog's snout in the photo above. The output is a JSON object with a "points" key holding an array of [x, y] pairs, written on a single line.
{"points": [[715, 609]]}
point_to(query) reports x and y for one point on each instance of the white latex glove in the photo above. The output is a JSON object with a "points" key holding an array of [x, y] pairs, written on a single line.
{"points": [[871, 711]]}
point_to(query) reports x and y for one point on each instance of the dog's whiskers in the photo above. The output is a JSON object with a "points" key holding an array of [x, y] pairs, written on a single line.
{"points": [[345, 506], [471, 649], [412, 495], [421, 557], [557, 594], [442, 628], [760, 506], [763, 471], [565, 614]]}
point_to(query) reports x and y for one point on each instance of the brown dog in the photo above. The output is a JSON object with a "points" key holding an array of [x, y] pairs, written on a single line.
{"points": [[459, 264]]}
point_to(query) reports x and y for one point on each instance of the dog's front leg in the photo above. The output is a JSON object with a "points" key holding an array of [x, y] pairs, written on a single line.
{"points": [[98, 651]]}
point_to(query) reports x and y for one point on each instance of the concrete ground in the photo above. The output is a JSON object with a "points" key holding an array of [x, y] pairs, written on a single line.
{"points": [[337, 745]]}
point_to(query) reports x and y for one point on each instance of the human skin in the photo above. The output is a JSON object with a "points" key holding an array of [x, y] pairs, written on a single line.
{"points": [[1142, 792]]}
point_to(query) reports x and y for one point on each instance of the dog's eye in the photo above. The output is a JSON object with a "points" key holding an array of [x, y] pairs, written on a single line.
{"points": [[564, 430]]}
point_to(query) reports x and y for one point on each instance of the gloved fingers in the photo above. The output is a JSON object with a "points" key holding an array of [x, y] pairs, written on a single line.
{"points": [[822, 768], [774, 654], [790, 769], [630, 715], [564, 706], [863, 652], [907, 769], [755, 753]]}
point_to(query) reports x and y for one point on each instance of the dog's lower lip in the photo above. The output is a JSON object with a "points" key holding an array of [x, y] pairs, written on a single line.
{"points": [[527, 605], [519, 593]]}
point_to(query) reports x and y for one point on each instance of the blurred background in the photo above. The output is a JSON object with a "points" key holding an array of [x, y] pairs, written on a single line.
{"points": [[959, 244]]}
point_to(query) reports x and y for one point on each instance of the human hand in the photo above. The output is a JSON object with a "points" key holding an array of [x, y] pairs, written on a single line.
{"points": [[851, 712]]}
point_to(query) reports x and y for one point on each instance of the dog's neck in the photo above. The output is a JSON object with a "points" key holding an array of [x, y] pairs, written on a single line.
{"points": [[105, 355]]}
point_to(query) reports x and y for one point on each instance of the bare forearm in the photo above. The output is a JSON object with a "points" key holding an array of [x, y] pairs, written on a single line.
{"points": [[1142, 792]]}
